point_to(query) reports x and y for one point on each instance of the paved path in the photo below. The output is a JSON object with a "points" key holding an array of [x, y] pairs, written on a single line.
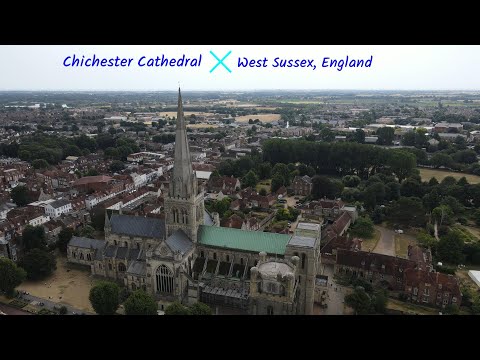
{"points": [[386, 244], [51, 304], [335, 294]]}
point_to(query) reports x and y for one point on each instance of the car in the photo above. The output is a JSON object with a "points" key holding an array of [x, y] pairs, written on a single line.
{"points": [[399, 231]]}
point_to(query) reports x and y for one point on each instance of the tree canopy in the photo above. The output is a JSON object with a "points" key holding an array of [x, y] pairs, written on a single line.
{"points": [[104, 297]]}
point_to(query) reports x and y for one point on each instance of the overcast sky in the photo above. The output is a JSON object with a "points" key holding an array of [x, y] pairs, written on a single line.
{"points": [[393, 67]]}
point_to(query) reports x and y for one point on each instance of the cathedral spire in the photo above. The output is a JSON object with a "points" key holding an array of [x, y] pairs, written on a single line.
{"points": [[184, 182]]}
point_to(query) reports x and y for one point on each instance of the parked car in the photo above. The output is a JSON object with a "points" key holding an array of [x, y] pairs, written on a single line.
{"points": [[399, 231]]}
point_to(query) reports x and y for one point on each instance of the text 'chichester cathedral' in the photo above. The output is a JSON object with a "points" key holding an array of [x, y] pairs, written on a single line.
{"points": [[188, 257]]}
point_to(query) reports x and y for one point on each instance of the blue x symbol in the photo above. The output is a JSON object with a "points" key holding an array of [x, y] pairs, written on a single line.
{"points": [[220, 61]]}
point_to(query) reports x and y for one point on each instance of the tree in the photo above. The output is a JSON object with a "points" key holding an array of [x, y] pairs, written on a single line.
{"points": [[277, 182], [40, 164], [363, 227], [402, 163], [374, 194], [140, 303], [357, 136], [359, 301], [104, 297], [441, 159], [20, 195], [476, 217], [63, 238], [250, 180], [450, 247], [262, 192], [410, 187], [116, 166], [392, 191], [452, 309], [351, 180], [322, 186], [264, 170], [377, 215], [408, 139], [408, 211], [33, 237], [385, 136], [200, 309], [63, 310], [92, 172], [38, 264], [176, 308], [442, 215], [327, 135], [87, 231], [10, 275]]}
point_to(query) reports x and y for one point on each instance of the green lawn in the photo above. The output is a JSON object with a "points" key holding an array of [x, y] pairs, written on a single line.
{"points": [[409, 308], [401, 244], [264, 184], [369, 244], [427, 174]]}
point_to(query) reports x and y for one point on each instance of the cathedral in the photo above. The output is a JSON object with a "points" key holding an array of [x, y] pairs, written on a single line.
{"points": [[188, 257]]}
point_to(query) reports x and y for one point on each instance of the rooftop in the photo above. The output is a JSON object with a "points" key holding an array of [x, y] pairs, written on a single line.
{"points": [[302, 241], [270, 269], [138, 226], [254, 241]]}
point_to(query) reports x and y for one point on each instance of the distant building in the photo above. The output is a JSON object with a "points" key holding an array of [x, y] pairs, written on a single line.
{"points": [[302, 185], [58, 207]]}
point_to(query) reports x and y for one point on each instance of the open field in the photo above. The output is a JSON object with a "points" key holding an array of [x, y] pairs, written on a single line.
{"points": [[370, 244], [401, 244], [427, 174], [186, 113], [262, 117], [67, 285]]}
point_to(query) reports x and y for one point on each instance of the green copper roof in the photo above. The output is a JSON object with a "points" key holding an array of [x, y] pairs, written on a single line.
{"points": [[255, 241]]}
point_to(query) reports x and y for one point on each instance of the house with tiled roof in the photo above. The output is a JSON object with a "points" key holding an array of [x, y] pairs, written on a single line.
{"points": [[226, 184], [186, 256]]}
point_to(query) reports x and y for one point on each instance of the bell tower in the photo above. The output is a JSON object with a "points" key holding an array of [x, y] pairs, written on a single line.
{"points": [[184, 207]]}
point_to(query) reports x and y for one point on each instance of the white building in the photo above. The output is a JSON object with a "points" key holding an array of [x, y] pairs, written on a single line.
{"points": [[58, 207], [39, 220]]}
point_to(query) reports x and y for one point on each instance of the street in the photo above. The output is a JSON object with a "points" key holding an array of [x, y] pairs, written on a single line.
{"points": [[335, 294], [386, 244], [51, 304]]}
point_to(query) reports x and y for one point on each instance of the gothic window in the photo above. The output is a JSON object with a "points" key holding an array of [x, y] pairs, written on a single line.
{"points": [[303, 260], [138, 246], [202, 254], [144, 288], [241, 261], [126, 244], [272, 288], [228, 258], [214, 256], [269, 310], [164, 279], [122, 267], [110, 267], [115, 242], [134, 287], [74, 255], [185, 217], [89, 257], [81, 256]]}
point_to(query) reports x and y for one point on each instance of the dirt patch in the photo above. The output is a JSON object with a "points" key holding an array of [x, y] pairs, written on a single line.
{"points": [[427, 174], [262, 117], [68, 285]]}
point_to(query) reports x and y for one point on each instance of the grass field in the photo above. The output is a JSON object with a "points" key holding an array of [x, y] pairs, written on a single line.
{"points": [[401, 244], [264, 184], [410, 308], [265, 118], [427, 174], [369, 244]]}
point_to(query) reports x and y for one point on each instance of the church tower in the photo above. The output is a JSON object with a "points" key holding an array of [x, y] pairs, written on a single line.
{"points": [[184, 207]]}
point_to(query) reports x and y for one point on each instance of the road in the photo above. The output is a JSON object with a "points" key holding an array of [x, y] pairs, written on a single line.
{"points": [[386, 244], [9, 310], [50, 305]]}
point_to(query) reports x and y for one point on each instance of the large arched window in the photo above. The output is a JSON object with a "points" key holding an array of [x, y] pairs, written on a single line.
{"points": [[164, 279], [122, 267], [81, 256], [89, 257]]}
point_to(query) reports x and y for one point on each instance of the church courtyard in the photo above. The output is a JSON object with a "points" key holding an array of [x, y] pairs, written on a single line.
{"points": [[69, 285]]}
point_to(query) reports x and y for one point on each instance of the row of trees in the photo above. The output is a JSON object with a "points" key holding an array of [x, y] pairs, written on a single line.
{"points": [[340, 158], [106, 297]]}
